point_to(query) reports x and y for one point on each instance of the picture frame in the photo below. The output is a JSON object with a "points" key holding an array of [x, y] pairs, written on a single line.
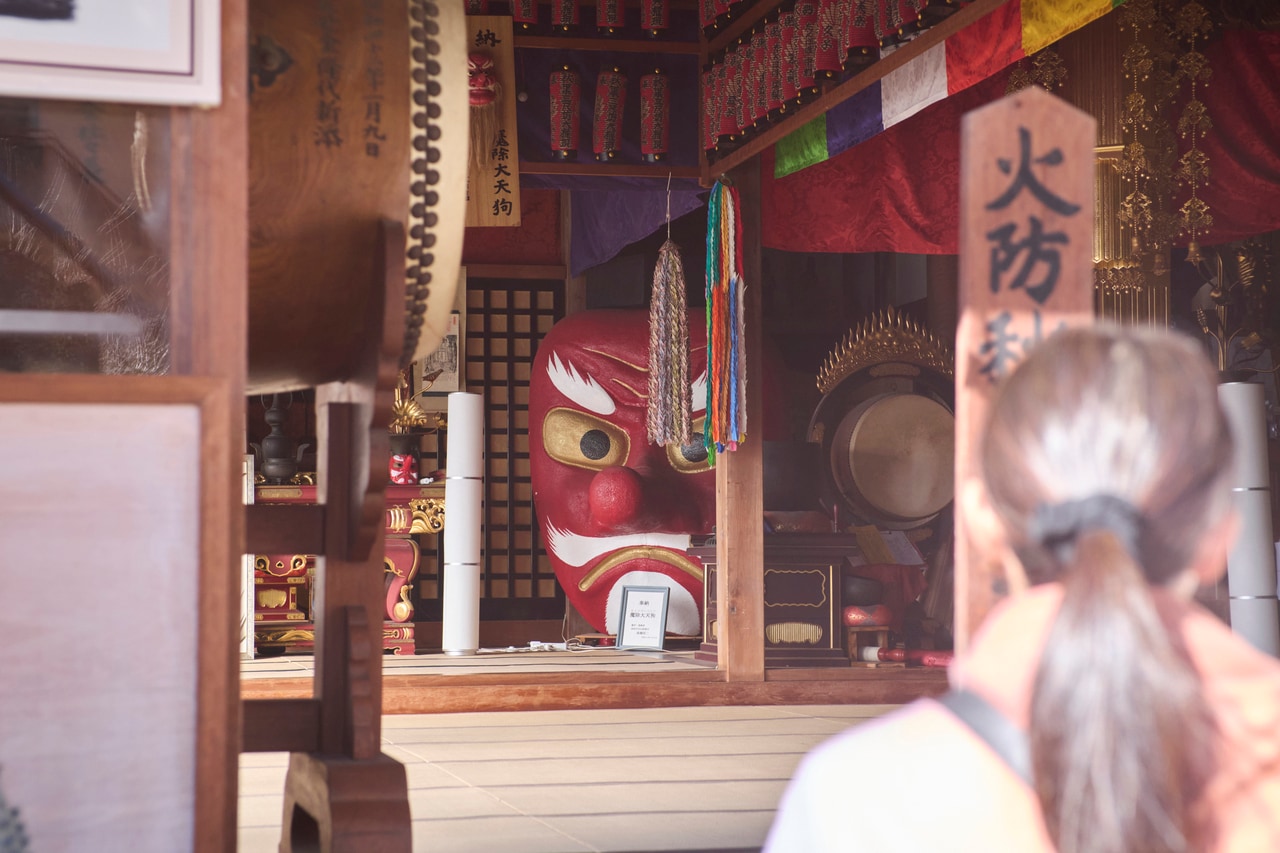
{"points": [[124, 51], [642, 618], [438, 374]]}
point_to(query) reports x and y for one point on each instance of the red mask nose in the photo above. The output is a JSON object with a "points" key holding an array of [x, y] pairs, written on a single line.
{"points": [[616, 497]]}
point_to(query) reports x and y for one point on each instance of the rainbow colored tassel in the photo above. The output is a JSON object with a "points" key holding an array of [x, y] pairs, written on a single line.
{"points": [[726, 423]]}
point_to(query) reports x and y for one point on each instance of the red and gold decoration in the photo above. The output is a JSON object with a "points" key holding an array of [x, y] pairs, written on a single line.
{"points": [[610, 15], [566, 100], [493, 178], [606, 129], [564, 15], [655, 116], [283, 583], [524, 14], [655, 16], [477, 7], [615, 510]]}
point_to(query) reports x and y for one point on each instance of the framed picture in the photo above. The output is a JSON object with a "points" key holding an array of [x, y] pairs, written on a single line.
{"points": [[124, 51], [642, 620], [438, 372]]}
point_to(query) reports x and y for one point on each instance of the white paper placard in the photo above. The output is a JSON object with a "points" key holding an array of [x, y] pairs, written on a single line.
{"points": [[642, 622]]}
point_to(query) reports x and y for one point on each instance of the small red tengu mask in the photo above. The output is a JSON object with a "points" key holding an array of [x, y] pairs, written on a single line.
{"points": [[403, 469], [482, 79]]}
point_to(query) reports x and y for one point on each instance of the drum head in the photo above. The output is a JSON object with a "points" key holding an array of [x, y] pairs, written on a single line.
{"points": [[898, 457]]}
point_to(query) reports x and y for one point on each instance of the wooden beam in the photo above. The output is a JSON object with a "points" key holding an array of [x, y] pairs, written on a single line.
{"points": [[284, 528], [451, 694], [740, 481], [590, 168], [208, 268], [520, 271], [281, 725], [612, 45], [931, 37]]}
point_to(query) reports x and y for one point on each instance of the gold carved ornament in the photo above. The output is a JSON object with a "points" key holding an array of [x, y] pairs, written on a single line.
{"points": [[884, 337], [427, 515]]}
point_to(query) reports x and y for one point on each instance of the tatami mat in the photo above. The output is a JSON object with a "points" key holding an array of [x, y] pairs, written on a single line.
{"points": [[703, 778]]}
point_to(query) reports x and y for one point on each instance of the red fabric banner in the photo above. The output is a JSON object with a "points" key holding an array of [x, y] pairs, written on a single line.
{"points": [[897, 192], [1243, 100]]}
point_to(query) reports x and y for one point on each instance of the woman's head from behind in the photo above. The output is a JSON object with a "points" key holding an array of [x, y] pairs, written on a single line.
{"points": [[1108, 411], [1106, 457]]}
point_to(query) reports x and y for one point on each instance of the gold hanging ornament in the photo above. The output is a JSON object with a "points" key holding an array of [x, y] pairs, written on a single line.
{"points": [[1191, 25]]}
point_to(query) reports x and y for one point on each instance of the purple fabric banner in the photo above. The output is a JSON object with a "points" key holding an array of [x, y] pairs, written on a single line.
{"points": [[605, 223]]}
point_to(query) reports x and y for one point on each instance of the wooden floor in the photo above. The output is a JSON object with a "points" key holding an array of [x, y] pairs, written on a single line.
{"points": [[649, 779], [596, 679]]}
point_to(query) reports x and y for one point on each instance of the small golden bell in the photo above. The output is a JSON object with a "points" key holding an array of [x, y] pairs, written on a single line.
{"points": [[1193, 252]]}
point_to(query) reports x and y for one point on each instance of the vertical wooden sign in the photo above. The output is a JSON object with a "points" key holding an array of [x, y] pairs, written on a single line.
{"points": [[1026, 271], [493, 177]]}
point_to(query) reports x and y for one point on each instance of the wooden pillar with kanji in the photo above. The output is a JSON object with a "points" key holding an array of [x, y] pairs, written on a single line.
{"points": [[1026, 271]]}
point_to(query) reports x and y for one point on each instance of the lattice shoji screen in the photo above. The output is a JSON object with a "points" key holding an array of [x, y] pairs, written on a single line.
{"points": [[505, 321]]}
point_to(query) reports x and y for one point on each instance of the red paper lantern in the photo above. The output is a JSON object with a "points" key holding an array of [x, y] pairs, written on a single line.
{"points": [[710, 110], [720, 85], [707, 13], [862, 46], [730, 100], [566, 100], [759, 47], [606, 130], [609, 15], [564, 14], [524, 14], [655, 16], [807, 50], [773, 99], [833, 28], [655, 116], [789, 62]]}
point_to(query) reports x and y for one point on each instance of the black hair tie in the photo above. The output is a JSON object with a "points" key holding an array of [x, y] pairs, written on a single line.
{"points": [[1056, 527]]}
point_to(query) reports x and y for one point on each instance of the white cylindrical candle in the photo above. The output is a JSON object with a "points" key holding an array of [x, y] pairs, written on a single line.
{"points": [[464, 448], [1251, 565], [461, 539], [464, 523], [1255, 620]]}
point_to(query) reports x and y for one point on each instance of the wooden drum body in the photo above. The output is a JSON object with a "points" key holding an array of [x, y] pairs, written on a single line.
{"points": [[358, 114]]}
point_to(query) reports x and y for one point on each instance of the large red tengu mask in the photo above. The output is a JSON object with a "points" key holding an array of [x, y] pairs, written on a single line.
{"points": [[613, 509], [482, 79]]}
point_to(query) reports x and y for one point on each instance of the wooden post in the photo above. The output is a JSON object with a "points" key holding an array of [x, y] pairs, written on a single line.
{"points": [[1026, 270], [740, 481]]}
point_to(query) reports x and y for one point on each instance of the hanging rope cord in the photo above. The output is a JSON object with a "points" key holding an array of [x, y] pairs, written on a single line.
{"points": [[668, 419]]}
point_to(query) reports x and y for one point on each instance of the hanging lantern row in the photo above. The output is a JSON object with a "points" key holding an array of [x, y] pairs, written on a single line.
{"points": [[607, 113], [655, 15], [713, 14], [783, 61]]}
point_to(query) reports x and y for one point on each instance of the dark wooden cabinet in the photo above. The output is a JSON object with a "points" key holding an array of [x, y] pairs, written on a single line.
{"points": [[802, 605]]}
